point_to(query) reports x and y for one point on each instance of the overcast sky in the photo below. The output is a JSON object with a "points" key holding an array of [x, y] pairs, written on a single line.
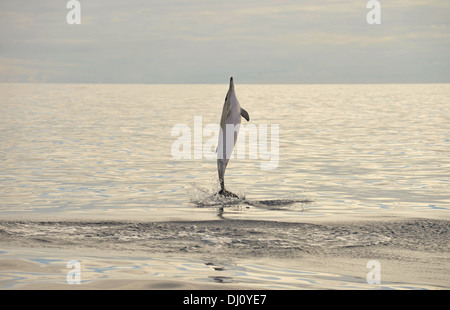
{"points": [[206, 41]]}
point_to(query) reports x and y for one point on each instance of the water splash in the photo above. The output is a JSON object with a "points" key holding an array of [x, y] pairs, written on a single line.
{"points": [[203, 197]]}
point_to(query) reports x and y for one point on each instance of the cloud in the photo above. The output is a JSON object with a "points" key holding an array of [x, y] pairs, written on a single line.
{"points": [[199, 41]]}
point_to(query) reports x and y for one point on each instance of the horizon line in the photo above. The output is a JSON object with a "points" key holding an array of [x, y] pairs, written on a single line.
{"points": [[244, 83]]}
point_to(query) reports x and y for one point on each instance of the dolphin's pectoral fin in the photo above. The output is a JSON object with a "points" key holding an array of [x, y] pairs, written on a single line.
{"points": [[245, 114]]}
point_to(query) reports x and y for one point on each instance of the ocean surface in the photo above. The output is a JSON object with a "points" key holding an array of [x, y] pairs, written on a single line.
{"points": [[93, 152], [106, 150]]}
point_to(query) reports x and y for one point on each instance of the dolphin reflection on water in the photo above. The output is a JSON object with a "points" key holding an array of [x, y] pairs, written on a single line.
{"points": [[229, 130]]}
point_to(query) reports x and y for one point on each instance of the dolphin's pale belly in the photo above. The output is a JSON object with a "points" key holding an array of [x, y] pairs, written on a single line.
{"points": [[228, 135]]}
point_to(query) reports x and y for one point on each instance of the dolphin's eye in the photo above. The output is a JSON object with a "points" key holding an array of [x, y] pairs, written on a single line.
{"points": [[226, 97]]}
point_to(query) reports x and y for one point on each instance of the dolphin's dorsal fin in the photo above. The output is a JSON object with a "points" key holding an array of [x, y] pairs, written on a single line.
{"points": [[245, 114]]}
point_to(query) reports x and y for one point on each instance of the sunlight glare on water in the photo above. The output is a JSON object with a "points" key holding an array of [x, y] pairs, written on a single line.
{"points": [[105, 150]]}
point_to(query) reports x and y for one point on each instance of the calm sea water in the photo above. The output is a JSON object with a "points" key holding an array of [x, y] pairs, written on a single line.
{"points": [[105, 150]]}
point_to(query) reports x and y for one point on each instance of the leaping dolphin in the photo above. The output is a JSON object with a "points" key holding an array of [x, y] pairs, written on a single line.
{"points": [[229, 129]]}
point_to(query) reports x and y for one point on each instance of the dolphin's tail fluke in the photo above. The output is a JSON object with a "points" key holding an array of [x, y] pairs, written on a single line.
{"points": [[226, 193], [223, 191]]}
